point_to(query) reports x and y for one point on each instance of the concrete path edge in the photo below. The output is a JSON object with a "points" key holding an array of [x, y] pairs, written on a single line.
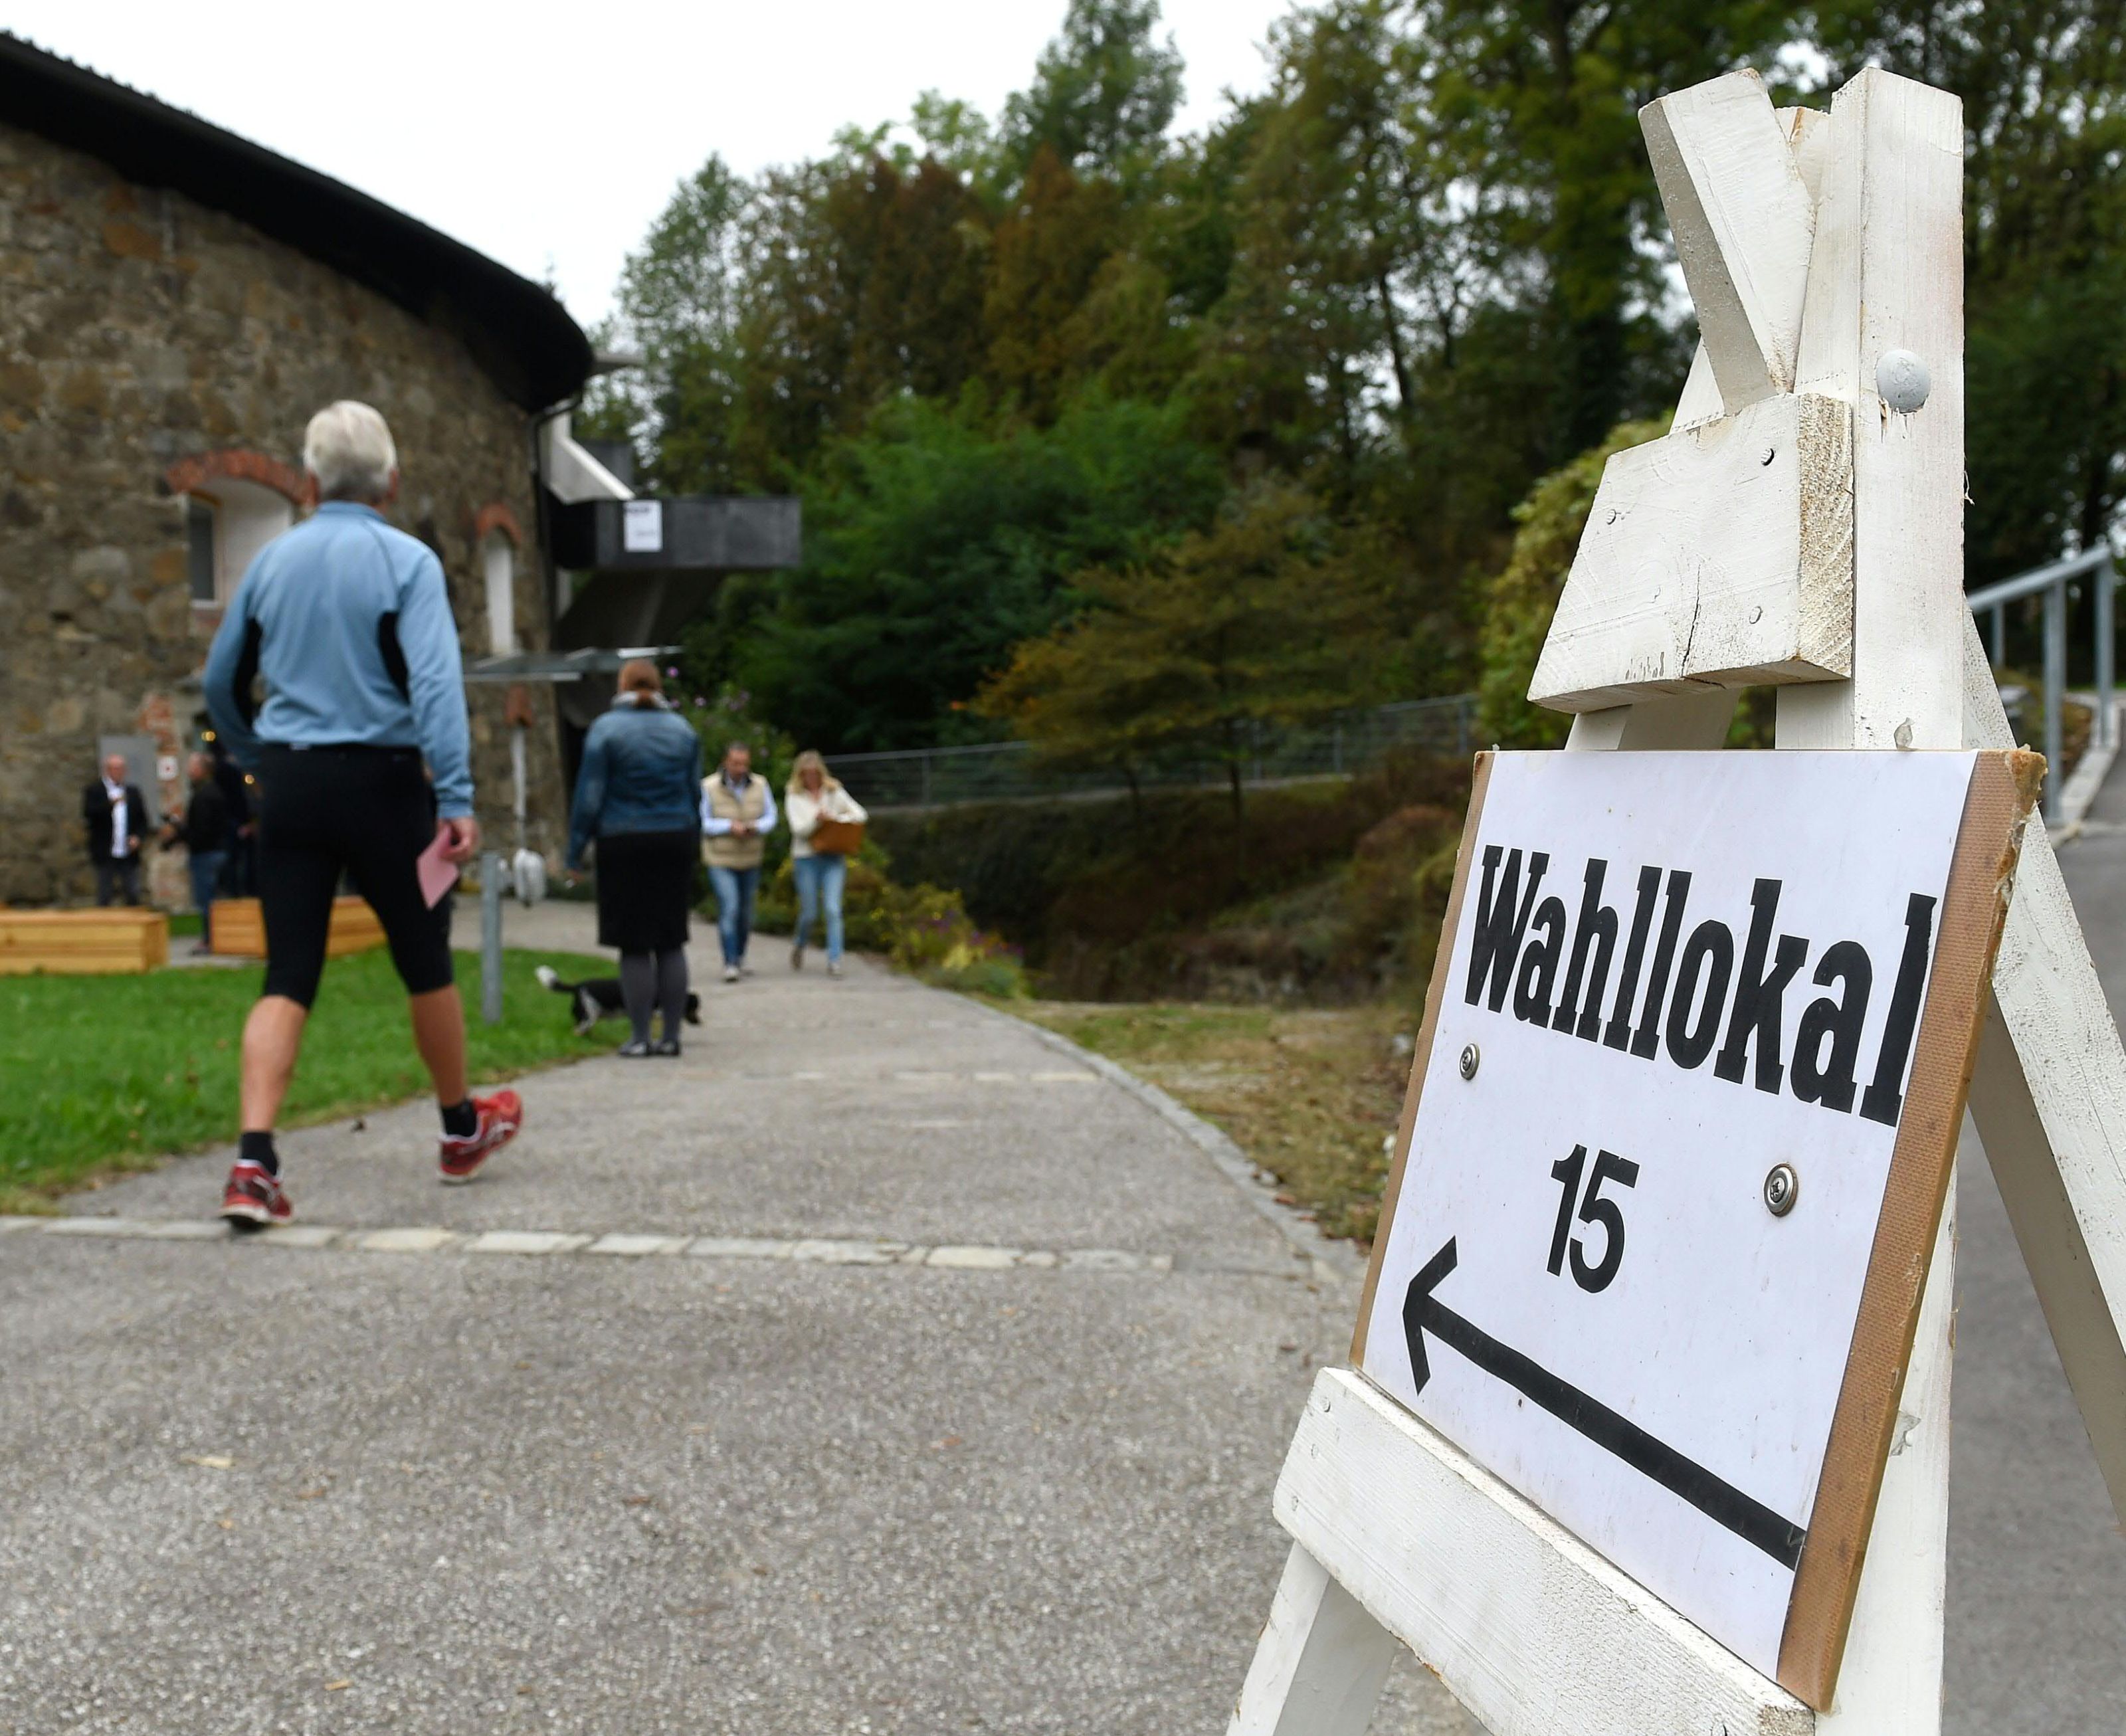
{"points": [[1332, 1258]]}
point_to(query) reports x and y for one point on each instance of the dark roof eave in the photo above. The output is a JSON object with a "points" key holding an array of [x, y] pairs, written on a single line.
{"points": [[518, 332]]}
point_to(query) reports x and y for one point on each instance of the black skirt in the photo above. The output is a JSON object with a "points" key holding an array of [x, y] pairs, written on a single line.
{"points": [[646, 884]]}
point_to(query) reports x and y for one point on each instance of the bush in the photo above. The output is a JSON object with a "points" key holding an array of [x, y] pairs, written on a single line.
{"points": [[1520, 602], [1306, 897], [923, 929], [932, 935]]}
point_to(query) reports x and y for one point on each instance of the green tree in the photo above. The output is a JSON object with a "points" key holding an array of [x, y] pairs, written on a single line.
{"points": [[1103, 94], [679, 302], [1258, 622], [935, 542], [1520, 601], [1543, 97], [868, 283], [2043, 87], [1420, 272], [1048, 250]]}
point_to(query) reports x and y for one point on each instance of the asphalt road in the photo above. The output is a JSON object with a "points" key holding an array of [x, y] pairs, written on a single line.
{"points": [[2036, 1570], [966, 1421]]}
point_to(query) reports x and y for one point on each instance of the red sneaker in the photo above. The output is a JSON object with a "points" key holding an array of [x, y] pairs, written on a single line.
{"points": [[500, 1116], [254, 1199]]}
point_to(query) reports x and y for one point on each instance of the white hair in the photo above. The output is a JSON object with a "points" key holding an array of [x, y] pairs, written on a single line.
{"points": [[347, 447]]}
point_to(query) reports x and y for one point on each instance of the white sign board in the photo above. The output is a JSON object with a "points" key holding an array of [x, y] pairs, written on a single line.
{"points": [[1682, 1119], [642, 527]]}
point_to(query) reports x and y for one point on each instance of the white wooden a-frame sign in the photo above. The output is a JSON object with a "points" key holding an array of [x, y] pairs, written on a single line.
{"points": [[1801, 525]]}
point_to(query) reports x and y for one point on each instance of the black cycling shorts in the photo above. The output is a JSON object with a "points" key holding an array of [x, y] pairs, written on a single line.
{"points": [[365, 812]]}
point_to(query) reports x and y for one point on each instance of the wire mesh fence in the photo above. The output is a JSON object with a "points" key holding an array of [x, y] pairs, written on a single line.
{"points": [[1006, 771]]}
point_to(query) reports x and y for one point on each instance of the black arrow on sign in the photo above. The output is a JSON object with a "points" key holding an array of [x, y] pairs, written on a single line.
{"points": [[1721, 1502]]}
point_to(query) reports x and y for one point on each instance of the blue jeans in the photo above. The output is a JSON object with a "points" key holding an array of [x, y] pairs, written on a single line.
{"points": [[205, 869], [734, 889], [819, 880]]}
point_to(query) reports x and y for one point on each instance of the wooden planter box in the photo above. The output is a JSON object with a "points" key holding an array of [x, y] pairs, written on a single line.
{"points": [[238, 928], [82, 942]]}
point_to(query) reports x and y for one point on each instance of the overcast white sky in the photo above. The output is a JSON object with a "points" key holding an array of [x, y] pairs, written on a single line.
{"points": [[549, 136]]}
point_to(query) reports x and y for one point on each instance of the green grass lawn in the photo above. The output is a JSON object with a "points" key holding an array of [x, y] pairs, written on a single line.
{"points": [[106, 1073]]}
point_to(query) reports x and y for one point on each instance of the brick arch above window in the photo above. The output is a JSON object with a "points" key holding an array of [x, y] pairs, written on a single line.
{"points": [[190, 475], [496, 516]]}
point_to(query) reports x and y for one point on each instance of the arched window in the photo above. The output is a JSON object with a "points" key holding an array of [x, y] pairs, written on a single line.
{"points": [[235, 503], [496, 534], [227, 521], [498, 561]]}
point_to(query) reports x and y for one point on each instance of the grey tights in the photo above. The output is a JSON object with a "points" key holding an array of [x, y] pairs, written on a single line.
{"points": [[655, 980]]}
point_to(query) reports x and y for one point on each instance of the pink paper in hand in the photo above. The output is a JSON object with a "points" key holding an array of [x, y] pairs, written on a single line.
{"points": [[438, 872]]}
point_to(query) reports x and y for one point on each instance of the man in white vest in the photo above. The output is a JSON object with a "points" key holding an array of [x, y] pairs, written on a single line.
{"points": [[738, 812]]}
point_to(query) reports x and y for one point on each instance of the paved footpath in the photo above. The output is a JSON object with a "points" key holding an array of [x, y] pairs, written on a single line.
{"points": [[880, 1366]]}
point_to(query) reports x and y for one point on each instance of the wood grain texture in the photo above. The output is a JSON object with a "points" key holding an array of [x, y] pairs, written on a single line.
{"points": [[1807, 133], [1532, 1630], [98, 943], [1678, 722], [1888, 272], [2003, 790], [1700, 401], [1743, 222], [238, 928], [2049, 1099], [1717, 556], [1890, 1682], [1320, 1663]]}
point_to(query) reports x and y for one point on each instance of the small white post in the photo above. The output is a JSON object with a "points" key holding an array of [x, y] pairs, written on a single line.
{"points": [[490, 938], [2107, 720], [519, 779]]}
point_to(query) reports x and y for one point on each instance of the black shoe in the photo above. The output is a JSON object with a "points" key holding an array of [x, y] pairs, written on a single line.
{"points": [[634, 1049], [665, 1046]]}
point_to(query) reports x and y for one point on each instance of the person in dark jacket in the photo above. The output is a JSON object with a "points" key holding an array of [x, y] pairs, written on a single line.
{"points": [[204, 833], [115, 814], [239, 876], [637, 796]]}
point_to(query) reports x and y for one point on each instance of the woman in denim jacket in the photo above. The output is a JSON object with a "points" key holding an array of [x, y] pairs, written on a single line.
{"points": [[636, 795]]}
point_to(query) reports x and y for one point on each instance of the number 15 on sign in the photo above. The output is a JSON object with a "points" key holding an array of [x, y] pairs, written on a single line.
{"points": [[1651, 1262], [1593, 1209]]}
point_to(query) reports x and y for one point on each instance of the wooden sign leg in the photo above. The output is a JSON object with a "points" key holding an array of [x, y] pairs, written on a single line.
{"points": [[1891, 1684], [1322, 1663], [2047, 1095], [1675, 721], [1886, 274]]}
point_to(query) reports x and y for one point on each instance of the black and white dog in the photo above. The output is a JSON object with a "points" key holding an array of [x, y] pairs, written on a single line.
{"points": [[599, 998]]}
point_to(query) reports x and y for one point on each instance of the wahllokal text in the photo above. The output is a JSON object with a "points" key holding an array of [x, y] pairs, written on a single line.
{"points": [[1686, 992]]}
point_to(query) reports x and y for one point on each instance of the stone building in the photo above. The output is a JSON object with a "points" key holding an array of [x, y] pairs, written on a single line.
{"points": [[174, 304]]}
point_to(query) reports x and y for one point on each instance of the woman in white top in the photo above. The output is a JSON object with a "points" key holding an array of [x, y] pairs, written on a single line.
{"points": [[813, 795]]}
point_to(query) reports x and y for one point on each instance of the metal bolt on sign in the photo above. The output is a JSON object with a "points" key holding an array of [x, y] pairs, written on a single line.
{"points": [[1470, 1057], [1782, 1188]]}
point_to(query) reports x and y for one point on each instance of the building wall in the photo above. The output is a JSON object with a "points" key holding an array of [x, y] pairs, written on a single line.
{"points": [[144, 339]]}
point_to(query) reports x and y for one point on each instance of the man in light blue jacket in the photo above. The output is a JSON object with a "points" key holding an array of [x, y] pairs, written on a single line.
{"points": [[346, 623]]}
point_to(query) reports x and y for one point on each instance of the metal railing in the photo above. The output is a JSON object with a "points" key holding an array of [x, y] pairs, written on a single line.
{"points": [[1007, 771], [2053, 582]]}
